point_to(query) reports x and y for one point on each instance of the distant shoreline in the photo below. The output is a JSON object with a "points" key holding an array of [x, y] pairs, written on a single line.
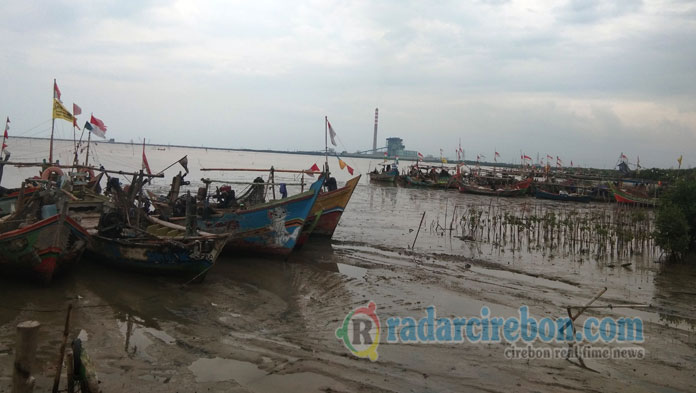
{"points": [[299, 152]]}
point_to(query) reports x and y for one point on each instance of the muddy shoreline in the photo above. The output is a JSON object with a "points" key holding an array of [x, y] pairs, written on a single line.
{"points": [[258, 325]]}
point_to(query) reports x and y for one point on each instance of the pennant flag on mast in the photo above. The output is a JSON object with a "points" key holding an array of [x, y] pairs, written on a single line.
{"points": [[332, 133], [679, 160], [420, 156], [59, 111], [314, 168], [341, 163], [495, 157], [5, 135], [76, 110], [56, 91], [146, 165], [184, 162]]}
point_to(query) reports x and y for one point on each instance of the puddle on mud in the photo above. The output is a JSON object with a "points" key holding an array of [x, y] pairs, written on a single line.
{"points": [[138, 337], [351, 271], [256, 380]]}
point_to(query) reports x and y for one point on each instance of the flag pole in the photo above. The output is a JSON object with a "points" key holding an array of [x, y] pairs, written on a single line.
{"points": [[4, 139], [89, 139], [53, 123], [74, 138], [326, 143]]}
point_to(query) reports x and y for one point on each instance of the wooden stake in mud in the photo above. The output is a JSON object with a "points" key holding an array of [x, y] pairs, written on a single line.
{"points": [[59, 365], [25, 355], [419, 227], [70, 370]]}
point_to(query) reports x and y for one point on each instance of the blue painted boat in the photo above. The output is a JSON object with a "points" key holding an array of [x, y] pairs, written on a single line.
{"points": [[163, 248], [268, 228]]}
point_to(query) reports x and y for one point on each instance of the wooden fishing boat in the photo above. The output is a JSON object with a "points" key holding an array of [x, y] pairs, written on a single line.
{"points": [[623, 196], [8, 199], [518, 189], [40, 248], [326, 212], [414, 182], [267, 228], [388, 174], [163, 248], [541, 194]]}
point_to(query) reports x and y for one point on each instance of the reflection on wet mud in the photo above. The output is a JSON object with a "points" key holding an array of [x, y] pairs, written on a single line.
{"points": [[675, 295]]}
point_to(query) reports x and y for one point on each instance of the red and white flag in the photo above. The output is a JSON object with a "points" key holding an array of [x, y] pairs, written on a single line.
{"points": [[56, 91], [146, 165], [420, 156], [100, 124], [332, 133]]}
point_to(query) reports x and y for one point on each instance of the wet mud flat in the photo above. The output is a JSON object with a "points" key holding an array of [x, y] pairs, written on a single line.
{"points": [[258, 325]]}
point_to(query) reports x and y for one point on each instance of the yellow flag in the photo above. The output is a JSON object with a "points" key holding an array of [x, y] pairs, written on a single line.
{"points": [[679, 160], [341, 163], [59, 112], [444, 160]]}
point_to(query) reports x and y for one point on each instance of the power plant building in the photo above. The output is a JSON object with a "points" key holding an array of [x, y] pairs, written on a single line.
{"points": [[396, 148]]}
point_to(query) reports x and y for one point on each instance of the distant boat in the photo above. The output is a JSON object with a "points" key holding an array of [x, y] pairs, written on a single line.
{"points": [[517, 189], [388, 174], [623, 196], [565, 197]]}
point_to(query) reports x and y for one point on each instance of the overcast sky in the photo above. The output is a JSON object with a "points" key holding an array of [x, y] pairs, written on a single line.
{"points": [[584, 80]]}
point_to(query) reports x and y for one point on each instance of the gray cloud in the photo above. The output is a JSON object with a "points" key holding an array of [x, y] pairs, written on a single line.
{"points": [[498, 74]]}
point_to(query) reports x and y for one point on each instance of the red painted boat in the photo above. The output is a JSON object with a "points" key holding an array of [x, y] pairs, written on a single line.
{"points": [[42, 248]]}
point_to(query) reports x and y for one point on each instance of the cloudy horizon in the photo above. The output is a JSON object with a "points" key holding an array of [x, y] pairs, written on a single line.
{"points": [[583, 80]]}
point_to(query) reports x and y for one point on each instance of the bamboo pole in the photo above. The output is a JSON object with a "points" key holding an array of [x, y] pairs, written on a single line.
{"points": [[25, 356], [38, 164], [70, 370], [419, 227], [261, 170]]}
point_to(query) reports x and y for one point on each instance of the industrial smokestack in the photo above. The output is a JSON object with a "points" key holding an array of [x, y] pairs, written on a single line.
{"points": [[374, 140]]}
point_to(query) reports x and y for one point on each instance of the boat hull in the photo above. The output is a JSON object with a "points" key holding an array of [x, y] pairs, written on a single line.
{"points": [[271, 228], [622, 196], [161, 256], [540, 194], [42, 249], [327, 211], [519, 189], [389, 177]]}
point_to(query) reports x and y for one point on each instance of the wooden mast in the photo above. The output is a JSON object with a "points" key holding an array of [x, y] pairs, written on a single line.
{"points": [[326, 143], [53, 122]]}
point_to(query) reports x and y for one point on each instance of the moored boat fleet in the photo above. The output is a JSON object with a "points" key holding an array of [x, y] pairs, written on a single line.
{"points": [[557, 186], [48, 223]]}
